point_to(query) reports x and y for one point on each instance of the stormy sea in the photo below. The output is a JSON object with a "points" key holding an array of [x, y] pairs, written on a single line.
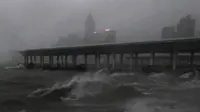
{"points": [[100, 91]]}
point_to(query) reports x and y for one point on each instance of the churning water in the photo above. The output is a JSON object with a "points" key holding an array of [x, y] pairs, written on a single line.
{"points": [[98, 92]]}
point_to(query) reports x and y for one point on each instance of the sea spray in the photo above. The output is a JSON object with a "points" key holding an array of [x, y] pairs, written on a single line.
{"points": [[97, 91], [76, 83], [90, 84], [94, 87], [101, 88]]}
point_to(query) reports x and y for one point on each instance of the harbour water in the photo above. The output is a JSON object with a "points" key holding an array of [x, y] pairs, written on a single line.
{"points": [[100, 91]]}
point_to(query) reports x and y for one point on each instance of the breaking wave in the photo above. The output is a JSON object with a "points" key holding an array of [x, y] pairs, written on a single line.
{"points": [[99, 87], [105, 88]]}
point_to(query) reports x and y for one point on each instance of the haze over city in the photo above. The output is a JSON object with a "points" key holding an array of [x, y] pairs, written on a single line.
{"points": [[99, 56], [39, 23]]}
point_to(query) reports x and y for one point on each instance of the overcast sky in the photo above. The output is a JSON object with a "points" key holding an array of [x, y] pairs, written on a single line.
{"points": [[37, 23]]}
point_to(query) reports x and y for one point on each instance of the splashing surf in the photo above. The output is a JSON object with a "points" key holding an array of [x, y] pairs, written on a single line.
{"points": [[102, 88], [97, 87]]}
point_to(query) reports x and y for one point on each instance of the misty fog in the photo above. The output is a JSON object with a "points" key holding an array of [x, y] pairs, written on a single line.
{"points": [[39, 23]]}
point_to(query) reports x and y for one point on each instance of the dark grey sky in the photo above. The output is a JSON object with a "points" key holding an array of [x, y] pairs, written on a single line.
{"points": [[37, 23]]}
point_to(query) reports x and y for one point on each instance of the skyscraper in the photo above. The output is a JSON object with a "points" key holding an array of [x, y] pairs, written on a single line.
{"points": [[89, 27], [186, 27]]}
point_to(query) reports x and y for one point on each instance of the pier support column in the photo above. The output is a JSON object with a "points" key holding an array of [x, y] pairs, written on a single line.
{"points": [[174, 60], [66, 61], [131, 61], [25, 60], [191, 58], [31, 59], [51, 61], [121, 61], [85, 56], [152, 58], [41, 61], [58, 61], [108, 60], [35, 60], [97, 60], [74, 59], [136, 60], [62, 62], [113, 60]]}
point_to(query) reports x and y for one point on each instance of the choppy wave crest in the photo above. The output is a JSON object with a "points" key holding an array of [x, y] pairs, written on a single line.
{"points": [[98, 87], [102, 88]]}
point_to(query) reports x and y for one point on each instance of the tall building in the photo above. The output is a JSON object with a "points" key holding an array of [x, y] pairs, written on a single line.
{"points": [[89, 27], [186, 27], [110, 36], [168, 32]]}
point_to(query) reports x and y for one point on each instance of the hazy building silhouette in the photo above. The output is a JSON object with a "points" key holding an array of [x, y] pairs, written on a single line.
{"points": [[107, 36], [186, 27], [96, 38], [110, 36], [89, 27], [70, 40], [168, 32]]}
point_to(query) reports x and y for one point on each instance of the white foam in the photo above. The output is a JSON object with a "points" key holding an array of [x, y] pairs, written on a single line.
{"points": [[186, 75], [158, 75], [89, 84], [157, 105]]}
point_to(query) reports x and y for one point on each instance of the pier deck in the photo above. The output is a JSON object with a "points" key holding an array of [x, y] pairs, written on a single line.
{"points": [[172, 47]]}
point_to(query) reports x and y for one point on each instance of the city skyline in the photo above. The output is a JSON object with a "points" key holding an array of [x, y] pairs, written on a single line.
{"points": [[40, 23], [185, 28]]}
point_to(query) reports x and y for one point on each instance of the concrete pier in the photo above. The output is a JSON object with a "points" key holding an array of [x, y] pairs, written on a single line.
{"points": [[115, 55]]}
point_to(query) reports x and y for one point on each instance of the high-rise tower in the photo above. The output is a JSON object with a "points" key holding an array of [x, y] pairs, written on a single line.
{"points": [[186, 27], [89, 27]]}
